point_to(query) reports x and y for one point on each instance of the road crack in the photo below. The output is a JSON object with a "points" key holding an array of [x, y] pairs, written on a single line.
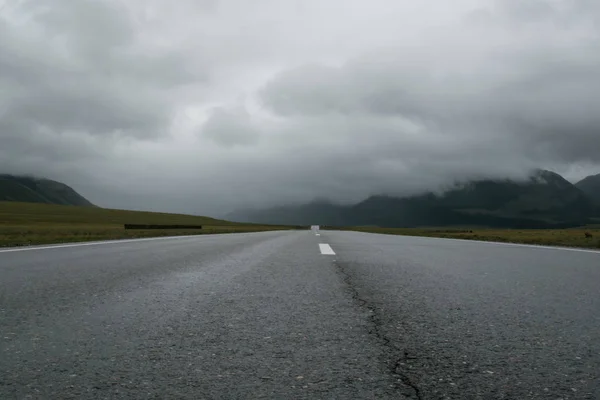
{"points": [[402, 381]]}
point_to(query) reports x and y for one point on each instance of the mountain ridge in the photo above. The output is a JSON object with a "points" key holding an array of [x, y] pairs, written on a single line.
{"points": [[544, 200], [591, 187]]}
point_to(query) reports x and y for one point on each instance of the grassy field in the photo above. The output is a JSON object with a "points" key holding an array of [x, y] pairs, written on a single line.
{"points": [[23, 224], [575, 237]]}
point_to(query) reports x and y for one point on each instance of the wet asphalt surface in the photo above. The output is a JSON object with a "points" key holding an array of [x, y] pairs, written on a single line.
{"points": [[265, 315]]}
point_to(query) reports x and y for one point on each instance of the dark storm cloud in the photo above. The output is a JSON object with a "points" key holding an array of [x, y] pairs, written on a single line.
{"points": [[78, 70], [542, 97], [205, 106]]}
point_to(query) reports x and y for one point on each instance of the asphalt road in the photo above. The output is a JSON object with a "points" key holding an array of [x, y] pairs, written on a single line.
{"points": [[266, 315]]}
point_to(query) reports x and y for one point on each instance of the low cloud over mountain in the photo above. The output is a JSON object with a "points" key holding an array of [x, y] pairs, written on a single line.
{"points": [[211, 105]]}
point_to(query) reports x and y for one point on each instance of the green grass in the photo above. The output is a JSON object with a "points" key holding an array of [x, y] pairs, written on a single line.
{"points": [[549, 237], [23, 224]]}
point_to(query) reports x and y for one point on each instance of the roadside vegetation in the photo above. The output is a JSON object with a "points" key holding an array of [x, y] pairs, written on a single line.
{"points": [[23, 224], [586, 237]]}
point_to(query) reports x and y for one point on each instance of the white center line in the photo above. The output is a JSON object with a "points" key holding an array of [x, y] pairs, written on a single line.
{"points": [[326, 249]]}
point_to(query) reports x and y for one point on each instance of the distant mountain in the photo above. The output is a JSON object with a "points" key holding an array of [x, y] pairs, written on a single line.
{"points": [[320, 210], [591, 187], [544, 200], [37, 190]]}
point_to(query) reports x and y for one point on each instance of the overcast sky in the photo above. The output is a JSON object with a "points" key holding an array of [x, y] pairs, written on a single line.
{"points": [[205, 106]]}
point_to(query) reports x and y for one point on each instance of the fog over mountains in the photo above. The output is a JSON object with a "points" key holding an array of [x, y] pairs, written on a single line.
{"points": [[209, 106], [544, 200]]}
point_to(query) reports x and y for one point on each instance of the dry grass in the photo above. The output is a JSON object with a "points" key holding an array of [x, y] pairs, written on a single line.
{"points": [[575, 237], [24, 224]]}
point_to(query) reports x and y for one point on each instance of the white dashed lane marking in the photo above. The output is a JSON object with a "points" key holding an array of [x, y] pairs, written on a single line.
{"points": [[326, 249]]}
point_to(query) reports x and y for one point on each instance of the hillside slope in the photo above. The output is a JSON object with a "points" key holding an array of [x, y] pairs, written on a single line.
{"points": [[23, 224], [36, 190], [544, 200], [591, 187]]}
